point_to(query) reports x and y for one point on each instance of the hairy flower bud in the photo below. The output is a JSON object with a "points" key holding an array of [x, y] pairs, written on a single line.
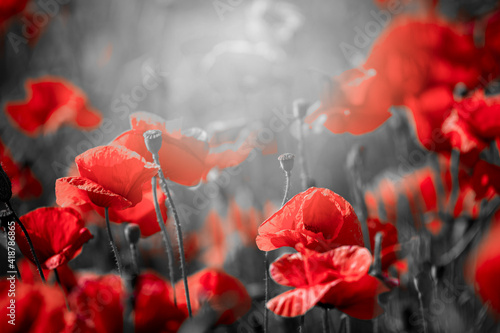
{"points": [[286, 161], [153, 140], [5, 186], [132, 233]]}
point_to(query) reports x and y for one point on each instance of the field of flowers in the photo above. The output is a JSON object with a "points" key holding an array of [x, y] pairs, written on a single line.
{"points": [[249, 166]]}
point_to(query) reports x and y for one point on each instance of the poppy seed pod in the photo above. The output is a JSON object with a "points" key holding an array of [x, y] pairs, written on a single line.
{"points": [[132, 233], [5, 186], [153, 141], [286, 161]]}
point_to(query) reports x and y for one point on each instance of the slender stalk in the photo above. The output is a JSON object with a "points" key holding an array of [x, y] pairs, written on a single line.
{"points": [[62, 288], [302, 327], [266, 290], [421, 306], [32, 249], [326, 322], [164, 186], [377, 259], [287, 187], [166, 239], [304, 174], [112, 242]]}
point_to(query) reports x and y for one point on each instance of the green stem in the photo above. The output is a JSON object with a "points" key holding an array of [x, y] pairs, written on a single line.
{"points": [[164, 187], [166, 239], [32, 249], [112, 242], [304, 174]]}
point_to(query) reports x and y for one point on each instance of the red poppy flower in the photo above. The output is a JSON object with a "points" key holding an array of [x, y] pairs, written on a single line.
{"points": [[214, 241], [154, 309], [58, 235], [193, 158], [109, 177], [483, 268], [96, 304], [318, 218], [338, 278], [50, 103], [38, 308], [143, 214], [24, 183], [224, 293]]}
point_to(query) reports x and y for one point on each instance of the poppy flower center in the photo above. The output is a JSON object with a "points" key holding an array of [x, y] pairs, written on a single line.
{"points": [[322, 213]]}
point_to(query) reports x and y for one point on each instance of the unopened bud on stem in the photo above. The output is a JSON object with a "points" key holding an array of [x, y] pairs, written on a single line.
{"points": [[153, 141], [286, 161], [132, 233]]}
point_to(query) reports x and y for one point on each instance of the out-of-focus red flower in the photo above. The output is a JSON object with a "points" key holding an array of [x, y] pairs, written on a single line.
{"points": [[58, 235], [317, 218], [247, 222], [38, 308], [358, 104], [10, 8], [224, 293], [390, 245], [483, 268], [96, 305], [50, 103], [184, 159], [214, 240], [486, 180], [24, 183], [109, 177], [338, 278], [154, 309]]}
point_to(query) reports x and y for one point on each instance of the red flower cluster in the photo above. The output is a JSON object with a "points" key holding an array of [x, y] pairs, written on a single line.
{"points": [[331, 268], [50, 103]]}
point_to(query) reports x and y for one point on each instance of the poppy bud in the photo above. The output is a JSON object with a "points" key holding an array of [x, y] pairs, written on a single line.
{"points": [[5, 186], [286, 161], [132, 233], [153, 141], [300, 107]]}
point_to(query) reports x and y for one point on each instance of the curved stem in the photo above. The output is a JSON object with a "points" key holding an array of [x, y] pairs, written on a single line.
{"points": [[302, 327], [287, 188], [112, 242], [166, 239], [32, 249], [62, 288], [164, 187]]}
